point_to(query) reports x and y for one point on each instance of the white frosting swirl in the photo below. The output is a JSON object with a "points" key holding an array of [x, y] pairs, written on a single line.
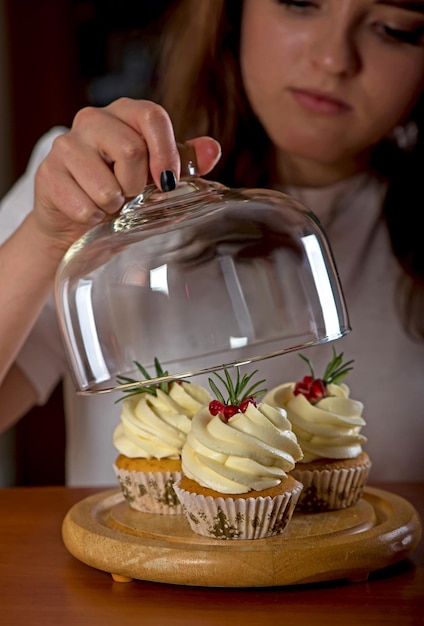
{"points": [[253, 450], [329, 429], [157, 426]]}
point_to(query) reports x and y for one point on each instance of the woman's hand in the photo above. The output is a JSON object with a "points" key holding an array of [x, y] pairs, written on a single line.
{"points": [[105, 158]]}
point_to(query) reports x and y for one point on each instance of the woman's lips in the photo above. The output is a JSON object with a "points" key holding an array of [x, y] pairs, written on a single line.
{"points": [[318, 102]]}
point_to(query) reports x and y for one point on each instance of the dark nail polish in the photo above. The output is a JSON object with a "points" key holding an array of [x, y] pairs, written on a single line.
{"points": [[168, 182]]}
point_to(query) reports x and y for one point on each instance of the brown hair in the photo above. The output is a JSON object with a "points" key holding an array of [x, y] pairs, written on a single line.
{"points": [[200, 86]]}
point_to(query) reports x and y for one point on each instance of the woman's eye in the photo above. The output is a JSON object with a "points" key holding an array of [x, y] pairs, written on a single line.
{"points": [[413, 37]]}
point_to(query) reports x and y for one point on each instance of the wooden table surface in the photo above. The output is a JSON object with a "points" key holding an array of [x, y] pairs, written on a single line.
{"points": [[42, 583]]}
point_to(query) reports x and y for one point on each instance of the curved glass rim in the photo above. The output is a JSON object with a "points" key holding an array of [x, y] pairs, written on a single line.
{"points": [[98, 390]]}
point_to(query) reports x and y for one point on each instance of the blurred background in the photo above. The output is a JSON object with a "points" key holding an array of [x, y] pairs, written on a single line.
{"points": [[55, 57]]}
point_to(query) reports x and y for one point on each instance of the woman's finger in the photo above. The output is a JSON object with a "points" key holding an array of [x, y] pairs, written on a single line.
{"points": [[151, 122], [84, 198], [208, 153], [122, 148]]}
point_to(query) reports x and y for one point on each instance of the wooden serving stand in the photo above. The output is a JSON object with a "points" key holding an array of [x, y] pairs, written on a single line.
{"points": [[105, 533]]}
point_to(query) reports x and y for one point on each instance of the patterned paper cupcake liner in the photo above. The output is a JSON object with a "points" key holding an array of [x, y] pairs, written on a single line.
{"points": [[330, 490], [238, 518], [150, 492]]}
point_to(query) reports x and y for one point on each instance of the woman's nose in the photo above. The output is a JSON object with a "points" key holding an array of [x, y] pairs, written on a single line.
{"points": [[336, 52]]}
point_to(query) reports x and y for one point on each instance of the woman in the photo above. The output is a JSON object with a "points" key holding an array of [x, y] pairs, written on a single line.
{"points": [[307, 97]]}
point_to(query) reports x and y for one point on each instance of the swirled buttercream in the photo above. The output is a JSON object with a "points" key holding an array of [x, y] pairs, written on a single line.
{"points": [[252, 451], [156, 426], [328, 429]]}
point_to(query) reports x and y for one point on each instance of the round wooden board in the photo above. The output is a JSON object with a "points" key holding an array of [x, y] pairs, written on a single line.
{"points": [[104, 532]]}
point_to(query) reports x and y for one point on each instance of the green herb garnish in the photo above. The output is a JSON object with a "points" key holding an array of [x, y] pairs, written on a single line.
{"points": [[236, 392], [335, 371], [152, 389]]}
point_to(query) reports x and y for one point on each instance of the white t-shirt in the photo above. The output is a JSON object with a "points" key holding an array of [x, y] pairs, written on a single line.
{"points": [[388, 374]]}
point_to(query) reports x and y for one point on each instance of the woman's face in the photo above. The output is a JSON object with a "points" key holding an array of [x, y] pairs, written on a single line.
{"points": [[328, 79]]}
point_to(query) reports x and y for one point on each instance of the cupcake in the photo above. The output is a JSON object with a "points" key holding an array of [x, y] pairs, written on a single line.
{"points": [[155, 421], [327, 423], [236, 463]]}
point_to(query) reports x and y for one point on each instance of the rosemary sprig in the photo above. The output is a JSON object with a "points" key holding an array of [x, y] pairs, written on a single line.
{"points": [[137, 389], [237, 391], [335, 371]]}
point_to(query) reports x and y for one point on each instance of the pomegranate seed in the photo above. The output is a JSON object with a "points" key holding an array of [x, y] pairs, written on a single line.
{"points": [[312, 389], [243, 405], [215, 407], [230, 410], [317, 390]]}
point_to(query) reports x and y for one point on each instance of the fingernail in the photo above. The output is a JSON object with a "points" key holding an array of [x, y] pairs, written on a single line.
{"points": [[168, 182]]}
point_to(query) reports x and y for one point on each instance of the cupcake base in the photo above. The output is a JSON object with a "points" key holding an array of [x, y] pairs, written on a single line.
{"points": [[254, 515], [331, 485], [147, 484]]}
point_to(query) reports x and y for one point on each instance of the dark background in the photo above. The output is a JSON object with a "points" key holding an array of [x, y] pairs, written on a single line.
{"points": [[66, 54]]}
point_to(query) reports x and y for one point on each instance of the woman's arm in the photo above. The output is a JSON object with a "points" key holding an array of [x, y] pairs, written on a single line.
{"points": [[28, 264], [27, 269], [90, 170]]}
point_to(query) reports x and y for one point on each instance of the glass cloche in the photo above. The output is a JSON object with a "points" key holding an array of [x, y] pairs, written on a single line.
{"points": [[199, 278]]}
